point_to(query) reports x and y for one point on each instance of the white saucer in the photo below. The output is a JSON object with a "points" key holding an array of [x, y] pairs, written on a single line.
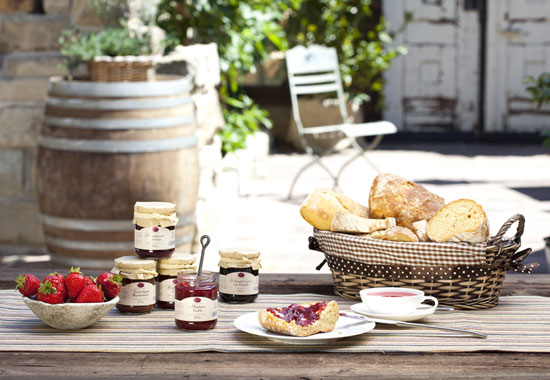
{"points": [[345, 327], [421, 312]]}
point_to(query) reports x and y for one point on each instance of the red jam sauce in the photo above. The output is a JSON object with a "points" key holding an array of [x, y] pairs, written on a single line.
{"points": [[187, 289], [301, 315], [393, 294]]}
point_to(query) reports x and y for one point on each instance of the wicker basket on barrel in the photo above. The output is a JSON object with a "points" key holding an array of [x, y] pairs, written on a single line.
{"points": [[123, 69], [465, 276]]}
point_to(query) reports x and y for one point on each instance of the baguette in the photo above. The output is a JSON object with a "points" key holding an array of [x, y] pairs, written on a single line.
{"points": [[350, 223], [406, 201], [462, 220], [293, 319], [395, 233], [320, 206]]}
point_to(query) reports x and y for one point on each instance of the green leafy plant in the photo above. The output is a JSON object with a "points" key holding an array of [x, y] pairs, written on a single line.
{"points": [[245, 32], [113, 41], [359, 36], [539, 88]]}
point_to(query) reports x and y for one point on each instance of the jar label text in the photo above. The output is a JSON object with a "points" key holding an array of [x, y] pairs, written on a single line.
{"points": [[196, 309], [155, 238], [239, 283], [137, 294], [166, 290]]}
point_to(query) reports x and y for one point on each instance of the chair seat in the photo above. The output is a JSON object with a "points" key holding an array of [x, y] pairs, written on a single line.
{"points": [[355, 130]]}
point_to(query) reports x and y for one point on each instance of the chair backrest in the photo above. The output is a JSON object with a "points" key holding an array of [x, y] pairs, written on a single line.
{"points": [[314, 70]]}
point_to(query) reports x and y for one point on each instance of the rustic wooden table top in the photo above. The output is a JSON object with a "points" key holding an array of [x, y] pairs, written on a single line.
{"points": [[215, 365]]}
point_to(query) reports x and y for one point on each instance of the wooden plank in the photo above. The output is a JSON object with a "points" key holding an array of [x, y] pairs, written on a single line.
{"points": [[380, 366]]}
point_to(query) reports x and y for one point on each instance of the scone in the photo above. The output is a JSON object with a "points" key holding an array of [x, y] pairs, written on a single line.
{"points": [[301, 319]]}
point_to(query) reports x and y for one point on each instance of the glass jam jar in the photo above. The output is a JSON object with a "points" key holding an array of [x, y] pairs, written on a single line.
{"points": [[196, 302], [137, 294], [239, 275], [168, 270], [155, 229]]}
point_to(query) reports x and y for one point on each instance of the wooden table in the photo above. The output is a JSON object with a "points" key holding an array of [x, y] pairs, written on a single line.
{"points": [[214, 365]]}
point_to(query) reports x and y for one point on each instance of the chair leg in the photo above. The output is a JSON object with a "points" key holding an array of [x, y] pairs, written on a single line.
{"points": [[361, 153], [316, 159], [371, 146]]}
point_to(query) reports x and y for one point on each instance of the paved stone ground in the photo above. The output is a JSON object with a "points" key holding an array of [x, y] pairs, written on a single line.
{"points": [[504, 179]]}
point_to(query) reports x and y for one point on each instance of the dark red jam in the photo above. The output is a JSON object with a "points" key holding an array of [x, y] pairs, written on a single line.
{"points": [[301, 315], [196, 301], [154, 253], [227, 296]]}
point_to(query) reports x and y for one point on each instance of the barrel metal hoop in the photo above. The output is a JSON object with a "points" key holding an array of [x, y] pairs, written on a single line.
{"points": [[117, 104], [104, 245], [117, 146], [113, 124], [175, 86], [102, 224]]}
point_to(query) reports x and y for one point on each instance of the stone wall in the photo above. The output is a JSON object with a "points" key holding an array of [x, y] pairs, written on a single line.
{"points": [[29, 54]]}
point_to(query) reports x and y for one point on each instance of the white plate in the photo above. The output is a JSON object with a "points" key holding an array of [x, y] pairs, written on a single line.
{"points": [[345, 327], [419, 313]]}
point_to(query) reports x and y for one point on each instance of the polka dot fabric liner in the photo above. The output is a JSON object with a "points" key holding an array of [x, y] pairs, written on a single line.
{"points": [[409, 272], [411, 254]]}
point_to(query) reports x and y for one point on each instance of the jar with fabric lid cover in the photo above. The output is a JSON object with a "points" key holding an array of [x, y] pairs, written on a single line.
{"points": [[155, 229], [239, 275], [168, 270], [138, 291]]}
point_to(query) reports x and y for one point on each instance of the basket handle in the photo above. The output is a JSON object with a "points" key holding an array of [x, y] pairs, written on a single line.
{"points": [[506, 226]]}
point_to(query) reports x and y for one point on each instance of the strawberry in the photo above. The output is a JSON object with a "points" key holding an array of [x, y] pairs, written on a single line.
{"points": [[47, 292], [27, 284], [90, 294], [110, 284], [58, 281], [75, 282]]}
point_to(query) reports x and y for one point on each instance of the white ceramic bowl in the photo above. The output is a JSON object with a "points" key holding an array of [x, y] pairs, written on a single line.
{"points": [[70, 316]]}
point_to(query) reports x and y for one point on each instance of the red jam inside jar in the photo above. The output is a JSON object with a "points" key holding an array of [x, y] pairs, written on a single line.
{"points": [[301, 315], [196, 304]]}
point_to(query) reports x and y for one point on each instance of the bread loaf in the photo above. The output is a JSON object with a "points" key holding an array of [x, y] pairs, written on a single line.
{"points": [[355, 224], [301, 320], [420, 229], [320, 206], [406, 201], [462, 220], [395, 233]]}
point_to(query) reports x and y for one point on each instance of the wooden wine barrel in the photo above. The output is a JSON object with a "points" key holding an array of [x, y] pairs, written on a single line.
{"points": [[104, 146]]}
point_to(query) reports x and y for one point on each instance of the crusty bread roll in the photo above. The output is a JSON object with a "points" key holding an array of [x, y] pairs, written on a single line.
{"points": [[462, 220], [406, 201], [320, 206], [292, 320], [420, 229], [355, 224], [395, 233]]}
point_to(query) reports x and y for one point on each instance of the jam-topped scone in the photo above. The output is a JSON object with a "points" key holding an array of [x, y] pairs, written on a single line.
{"points": [[301, 320]]}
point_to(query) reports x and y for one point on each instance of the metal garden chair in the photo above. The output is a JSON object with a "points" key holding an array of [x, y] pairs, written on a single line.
{"points": [[314, 70]]}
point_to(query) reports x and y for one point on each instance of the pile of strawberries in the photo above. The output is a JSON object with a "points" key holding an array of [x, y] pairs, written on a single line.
{"points": [[74, 287]]}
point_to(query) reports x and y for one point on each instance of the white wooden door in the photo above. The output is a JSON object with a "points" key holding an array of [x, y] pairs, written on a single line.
{"points": [[518, 36], [435, 86]]}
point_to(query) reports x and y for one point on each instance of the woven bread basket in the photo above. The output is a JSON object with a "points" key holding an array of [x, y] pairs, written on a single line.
{"points": [[123, 69], [461, 275]]}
